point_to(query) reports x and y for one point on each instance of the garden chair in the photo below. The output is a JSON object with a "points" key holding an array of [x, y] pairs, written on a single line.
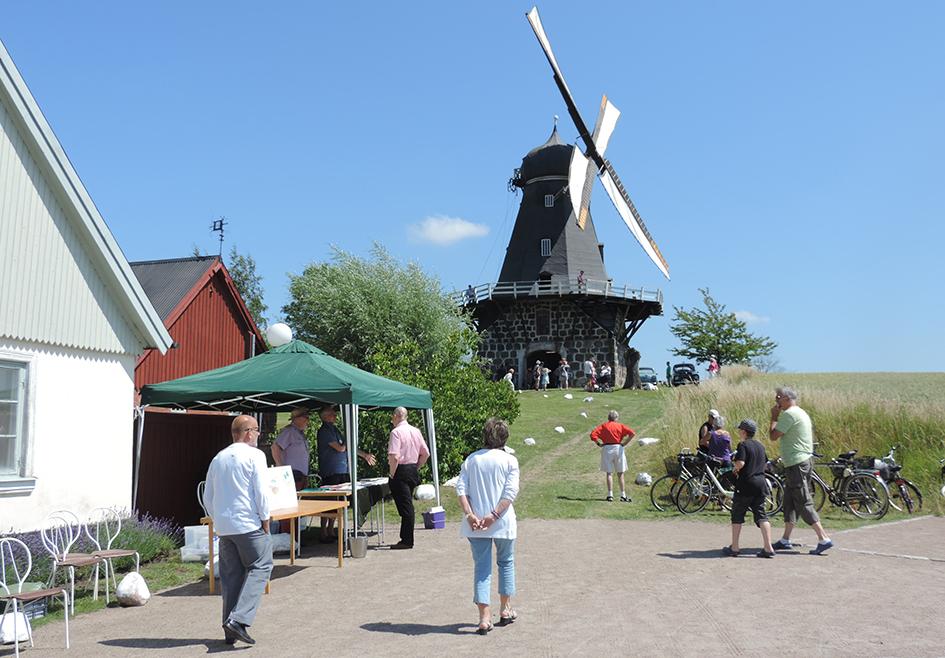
{"points": [[16, 562], [107, 524], [60, 532]]}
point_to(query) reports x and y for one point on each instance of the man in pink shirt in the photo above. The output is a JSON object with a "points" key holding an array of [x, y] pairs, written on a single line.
{"points": [[406, 453]]}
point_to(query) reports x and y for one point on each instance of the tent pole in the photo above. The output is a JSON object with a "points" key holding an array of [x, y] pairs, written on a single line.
{"points": [[431, 434], [137, 472], [353, 456]]}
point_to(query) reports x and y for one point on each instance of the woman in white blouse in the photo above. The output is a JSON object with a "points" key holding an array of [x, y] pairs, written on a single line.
{"points": [[487, 486]]}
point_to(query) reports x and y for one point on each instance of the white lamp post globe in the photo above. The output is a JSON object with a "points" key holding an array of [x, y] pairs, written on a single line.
{"points": [[279, 334]]}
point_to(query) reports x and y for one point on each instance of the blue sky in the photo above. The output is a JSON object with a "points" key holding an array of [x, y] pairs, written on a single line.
{"points": [[787, 156]]}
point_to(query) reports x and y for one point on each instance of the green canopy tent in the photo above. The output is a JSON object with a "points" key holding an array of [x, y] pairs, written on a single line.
{"points": [[285, 377]]}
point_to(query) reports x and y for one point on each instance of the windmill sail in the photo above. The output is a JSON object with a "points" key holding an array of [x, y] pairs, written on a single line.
{"points": [[580, 180]]}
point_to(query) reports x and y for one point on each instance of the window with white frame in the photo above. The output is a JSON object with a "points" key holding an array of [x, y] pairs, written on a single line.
{"points": [[549, 201], [13, 376], [546, 246]]}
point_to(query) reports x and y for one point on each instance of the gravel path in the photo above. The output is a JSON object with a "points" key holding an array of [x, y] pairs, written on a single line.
{"points": [[586, 587]]}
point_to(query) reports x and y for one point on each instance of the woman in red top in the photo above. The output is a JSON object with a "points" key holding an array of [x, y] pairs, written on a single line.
{"points": [[612, 437]]}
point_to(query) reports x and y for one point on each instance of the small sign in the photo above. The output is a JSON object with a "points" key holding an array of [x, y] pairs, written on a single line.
{"points": [[281, 488]]}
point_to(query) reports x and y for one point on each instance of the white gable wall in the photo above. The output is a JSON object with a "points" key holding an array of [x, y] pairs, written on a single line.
{"points": [[79, 428], [51, 291]]}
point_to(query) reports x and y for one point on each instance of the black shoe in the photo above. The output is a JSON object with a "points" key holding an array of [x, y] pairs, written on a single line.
{"points": [[238, 631], [401, 546]]}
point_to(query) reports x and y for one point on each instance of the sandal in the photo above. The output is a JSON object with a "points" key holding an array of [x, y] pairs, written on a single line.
{"points": [[482, 630], [728, 552], [508, 618]]}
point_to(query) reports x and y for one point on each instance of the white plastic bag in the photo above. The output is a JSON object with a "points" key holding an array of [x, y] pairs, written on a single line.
{"points": [[6, 628], [559, 429], [584, 414], [644, 479], [647, 441], [529, 441], [568, 396], [216, 567], [132, 590]]}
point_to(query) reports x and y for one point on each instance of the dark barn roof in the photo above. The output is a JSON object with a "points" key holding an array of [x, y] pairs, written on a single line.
{"points": [[167, 282]]}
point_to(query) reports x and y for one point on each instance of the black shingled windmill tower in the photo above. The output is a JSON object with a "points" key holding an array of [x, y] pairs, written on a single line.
{"points": [[543, 307]]}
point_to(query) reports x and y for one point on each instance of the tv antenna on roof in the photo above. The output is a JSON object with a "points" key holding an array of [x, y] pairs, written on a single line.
{"points": [[216, 226]]}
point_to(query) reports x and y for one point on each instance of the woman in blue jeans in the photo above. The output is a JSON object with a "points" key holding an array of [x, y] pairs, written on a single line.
{"points": [[487, 486]]}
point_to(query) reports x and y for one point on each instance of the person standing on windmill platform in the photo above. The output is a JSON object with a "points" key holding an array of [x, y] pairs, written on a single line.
{"points": [[612, 437]]}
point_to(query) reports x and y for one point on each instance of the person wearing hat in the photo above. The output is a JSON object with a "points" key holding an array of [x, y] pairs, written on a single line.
{"points": [[714, 422], [750, 488], [291, 447]]}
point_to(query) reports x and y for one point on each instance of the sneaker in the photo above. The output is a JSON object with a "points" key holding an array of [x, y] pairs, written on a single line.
{"points": [[821, 547], [782, 545]]}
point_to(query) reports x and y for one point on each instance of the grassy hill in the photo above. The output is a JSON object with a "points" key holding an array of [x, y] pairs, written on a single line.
{"points": [[866, 411]]}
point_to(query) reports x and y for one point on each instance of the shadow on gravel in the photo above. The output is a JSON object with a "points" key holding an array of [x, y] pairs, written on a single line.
{"points": [[419, 629], [714, 553], [213, 646]]}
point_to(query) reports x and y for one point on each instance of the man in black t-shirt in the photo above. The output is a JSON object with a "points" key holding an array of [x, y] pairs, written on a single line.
{"points": [[749, 465]]}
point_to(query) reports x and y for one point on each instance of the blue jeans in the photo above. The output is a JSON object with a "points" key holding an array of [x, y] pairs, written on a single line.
{"points": [[482, 569]]}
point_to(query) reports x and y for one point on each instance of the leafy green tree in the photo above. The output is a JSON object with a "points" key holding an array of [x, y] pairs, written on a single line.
{"points": [[714, 331], [242, 270], [393, 319]]}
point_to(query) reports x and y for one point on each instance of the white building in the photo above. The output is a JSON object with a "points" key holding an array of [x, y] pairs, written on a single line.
{"points": [[73, 320]]}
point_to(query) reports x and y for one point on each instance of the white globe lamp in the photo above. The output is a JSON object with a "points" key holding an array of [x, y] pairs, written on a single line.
{"points": [[279, 334]]}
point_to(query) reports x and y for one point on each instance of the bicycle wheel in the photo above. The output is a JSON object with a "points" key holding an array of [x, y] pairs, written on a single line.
{"points": [[774, 499], [693, 494], [865, 496], [818, 494], [663, 492], [905, 497]]}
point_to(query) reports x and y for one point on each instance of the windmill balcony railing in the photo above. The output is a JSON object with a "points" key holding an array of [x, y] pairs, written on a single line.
{"points": [[556, 288]]}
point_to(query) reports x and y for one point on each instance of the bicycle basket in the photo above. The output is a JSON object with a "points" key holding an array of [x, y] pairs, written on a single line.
{"points": [[866, 463], [673, 466]]}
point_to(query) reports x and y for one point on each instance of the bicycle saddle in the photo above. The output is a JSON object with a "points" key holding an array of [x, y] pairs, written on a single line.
{"points": [[894, 469], [847, 455]]}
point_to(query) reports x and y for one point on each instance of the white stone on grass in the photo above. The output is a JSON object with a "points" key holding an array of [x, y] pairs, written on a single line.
{"points": [[132, 590], [647, 441], [529, 441], [589, 399], [559, 429], [568, 396]]}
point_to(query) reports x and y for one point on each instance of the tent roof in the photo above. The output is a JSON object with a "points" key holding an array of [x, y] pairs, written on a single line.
{"points": [[283, 377]]}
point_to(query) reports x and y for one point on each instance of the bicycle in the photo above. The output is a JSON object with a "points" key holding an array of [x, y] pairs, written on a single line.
{"points": [[695, 492], [854, 489], [941, 476], [903, 494], [663, 490]]}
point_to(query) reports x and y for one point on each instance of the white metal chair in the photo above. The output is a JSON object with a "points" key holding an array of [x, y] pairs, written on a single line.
{"points": [[107, 524], [60, 532], [16, 562]]}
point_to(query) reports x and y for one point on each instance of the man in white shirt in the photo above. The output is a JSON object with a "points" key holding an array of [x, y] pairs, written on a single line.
{"points": [[235, 497]]}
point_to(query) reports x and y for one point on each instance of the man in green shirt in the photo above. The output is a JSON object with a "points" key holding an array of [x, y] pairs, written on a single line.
{"points": [[792, 427]]}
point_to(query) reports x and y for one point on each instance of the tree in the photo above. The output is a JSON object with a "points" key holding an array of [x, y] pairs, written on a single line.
{"points": [[713, 331], [394, 320], [249, 284], [767, 363]]}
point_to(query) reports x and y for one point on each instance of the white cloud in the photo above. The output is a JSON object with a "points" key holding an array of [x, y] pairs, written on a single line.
{"points": [[750, 318], [443, 230]]}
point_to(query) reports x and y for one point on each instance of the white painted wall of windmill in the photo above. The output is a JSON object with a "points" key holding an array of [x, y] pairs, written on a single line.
{"points": [[79, 427]]}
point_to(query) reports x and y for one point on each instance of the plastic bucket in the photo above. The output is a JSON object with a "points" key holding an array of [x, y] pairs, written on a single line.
{"points": [[358, 546]]}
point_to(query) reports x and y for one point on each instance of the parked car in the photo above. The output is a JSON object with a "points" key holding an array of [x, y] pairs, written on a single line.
{"points": [[647, 376], [685, 373]]}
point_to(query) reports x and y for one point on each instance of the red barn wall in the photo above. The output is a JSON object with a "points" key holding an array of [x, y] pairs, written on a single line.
{"points": [[210, 333]]}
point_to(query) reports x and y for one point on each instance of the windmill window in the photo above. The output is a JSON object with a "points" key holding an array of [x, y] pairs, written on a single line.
{"points": [[543, 322], [549, 201], [545, 246]]}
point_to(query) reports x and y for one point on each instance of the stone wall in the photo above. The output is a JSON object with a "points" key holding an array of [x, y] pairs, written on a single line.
{"points": [[511, 339]]}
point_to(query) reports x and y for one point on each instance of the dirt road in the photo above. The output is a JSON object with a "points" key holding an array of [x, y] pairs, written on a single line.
{"points": [[585, 588]]}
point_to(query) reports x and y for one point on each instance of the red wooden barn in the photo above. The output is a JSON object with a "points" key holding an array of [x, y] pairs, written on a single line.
{"points": [[211, 328]]}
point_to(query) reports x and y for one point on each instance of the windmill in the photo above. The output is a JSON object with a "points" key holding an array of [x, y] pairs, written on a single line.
{"points": [[584, 166]]}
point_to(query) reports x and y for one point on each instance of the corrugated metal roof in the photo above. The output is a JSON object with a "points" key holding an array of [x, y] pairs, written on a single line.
{"points": [[167, 282]]}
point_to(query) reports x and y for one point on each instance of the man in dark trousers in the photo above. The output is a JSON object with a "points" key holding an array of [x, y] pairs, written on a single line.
{"points": [[750, 488], [406, 453], [235, 497]]}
